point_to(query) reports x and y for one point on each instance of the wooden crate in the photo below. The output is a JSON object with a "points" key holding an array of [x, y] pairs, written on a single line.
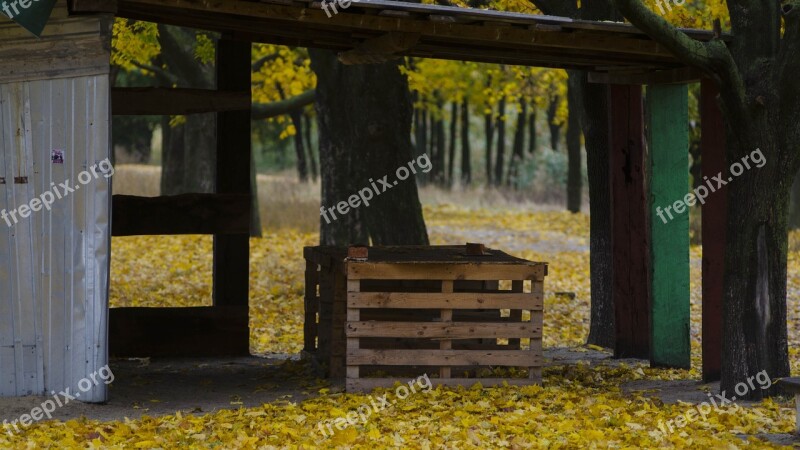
{"points": [[410, 310]]}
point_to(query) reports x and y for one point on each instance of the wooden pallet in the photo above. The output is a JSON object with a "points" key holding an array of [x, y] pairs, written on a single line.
{"points": [[326, 311], [405, 311]]}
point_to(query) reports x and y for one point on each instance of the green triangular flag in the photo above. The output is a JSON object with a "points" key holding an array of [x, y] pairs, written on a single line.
{"points": [[30, 14]]}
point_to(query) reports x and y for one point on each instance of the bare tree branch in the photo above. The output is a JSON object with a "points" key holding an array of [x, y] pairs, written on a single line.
{"points": [[274, 109], [711, 57], [166, 77]]}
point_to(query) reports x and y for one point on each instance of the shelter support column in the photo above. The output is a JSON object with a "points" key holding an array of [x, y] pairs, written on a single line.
{"points": [[669, 201], [232, 251], [630, 235], [713, 229]]}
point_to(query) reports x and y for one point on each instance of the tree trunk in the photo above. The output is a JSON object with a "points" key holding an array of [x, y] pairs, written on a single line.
{"points": [[312, 158], [532, 130], [555, 129], [754, 336], [189, 149], [466, 164], [574, 178], [364, 115], [451, 160], [488, 123], [438, 172], [425, 146], [518, 152], [595, 122], [299, 147], [794, 204], [501, 142]]}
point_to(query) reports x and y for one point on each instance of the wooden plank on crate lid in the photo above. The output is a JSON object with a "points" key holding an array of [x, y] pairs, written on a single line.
{"points": [[475, 249], [358, 252]]}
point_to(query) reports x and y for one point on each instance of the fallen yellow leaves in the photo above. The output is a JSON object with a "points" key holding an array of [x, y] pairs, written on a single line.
{"points": [[578, 407]]}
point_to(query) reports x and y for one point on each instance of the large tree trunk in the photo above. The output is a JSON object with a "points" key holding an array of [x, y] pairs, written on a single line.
{"points": [[189, 149], [754, 309], [574, 178], [466, 164], [501, 142], [364, 115]]}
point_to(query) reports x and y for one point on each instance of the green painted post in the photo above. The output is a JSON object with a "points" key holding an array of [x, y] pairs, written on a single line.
{"points": [[667, 117]]}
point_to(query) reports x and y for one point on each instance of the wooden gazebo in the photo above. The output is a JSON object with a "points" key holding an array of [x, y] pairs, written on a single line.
{"points": [[651, 259]]}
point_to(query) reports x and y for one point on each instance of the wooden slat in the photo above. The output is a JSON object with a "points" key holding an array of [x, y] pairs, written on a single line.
{"points": [[366, 270], [461, 300], [714, 221], [180, 214], [521, 358], [630, 236], [176, 101], [452, 330], [368, 384]]}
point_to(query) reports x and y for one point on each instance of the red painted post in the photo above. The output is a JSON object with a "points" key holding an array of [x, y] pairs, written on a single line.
{"points": [[630, 236], [713, 160]]}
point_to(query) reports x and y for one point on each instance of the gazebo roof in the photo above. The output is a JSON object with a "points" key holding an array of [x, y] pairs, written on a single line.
{"points": [[370, 29]]}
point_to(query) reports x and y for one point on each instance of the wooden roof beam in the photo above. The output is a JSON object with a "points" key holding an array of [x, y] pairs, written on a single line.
{"points": [[380, 49]]}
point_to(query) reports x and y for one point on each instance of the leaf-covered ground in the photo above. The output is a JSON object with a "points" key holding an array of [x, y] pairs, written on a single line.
{"points": [[578, 407]]}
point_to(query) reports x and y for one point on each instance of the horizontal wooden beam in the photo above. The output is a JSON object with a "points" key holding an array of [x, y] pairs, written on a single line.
{"points": [[92, 6], [178, 101], [170, 332], [531, 36], [449, 330], [181, 214], [413, 300], [681, 75], [519, 358]]}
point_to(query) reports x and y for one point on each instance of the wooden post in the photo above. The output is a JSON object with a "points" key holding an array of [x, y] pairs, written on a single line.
{"points": [[630, 238], [668, 128], [713, 233], [232, 251]]}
